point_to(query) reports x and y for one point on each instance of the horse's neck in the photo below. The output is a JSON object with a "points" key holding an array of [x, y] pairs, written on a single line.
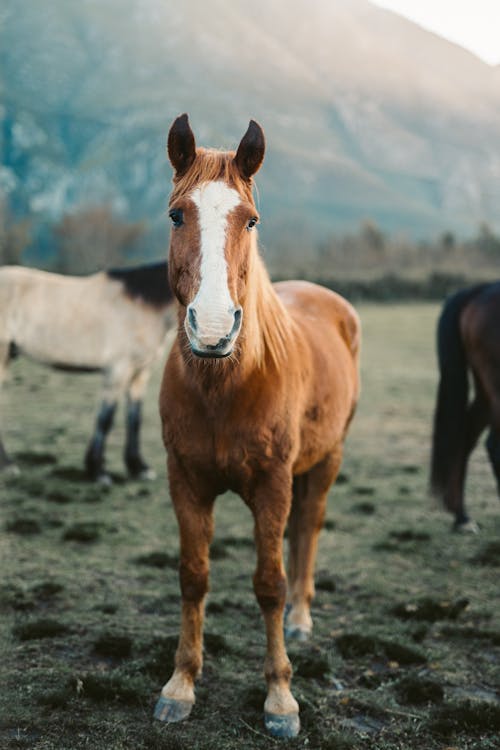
{"points": [[268, 324]]}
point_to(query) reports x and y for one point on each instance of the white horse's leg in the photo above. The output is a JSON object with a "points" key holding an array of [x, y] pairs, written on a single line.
{"points": [[5, 461], [94, 457], [95, 454], [134, 462]]}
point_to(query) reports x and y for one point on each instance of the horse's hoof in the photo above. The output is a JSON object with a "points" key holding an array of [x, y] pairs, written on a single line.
{"points": [[466, 527], [170, 710], [146, 475], [282, 725], [295, 633], [11, 470], [104, 480]]}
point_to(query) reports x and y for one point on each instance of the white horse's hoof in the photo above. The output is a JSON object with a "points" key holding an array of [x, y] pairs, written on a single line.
{"points": [[104, 480], [11, 470], [147, 475]]}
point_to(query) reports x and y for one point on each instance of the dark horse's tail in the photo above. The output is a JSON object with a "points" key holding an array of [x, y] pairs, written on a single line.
{"points": [[449, 435]]}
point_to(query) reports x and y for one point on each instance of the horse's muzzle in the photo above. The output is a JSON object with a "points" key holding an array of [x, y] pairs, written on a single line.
{"points": [[200, 345]]}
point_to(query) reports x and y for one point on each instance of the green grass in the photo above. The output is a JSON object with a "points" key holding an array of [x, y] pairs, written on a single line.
{"points": [[405, 651]]}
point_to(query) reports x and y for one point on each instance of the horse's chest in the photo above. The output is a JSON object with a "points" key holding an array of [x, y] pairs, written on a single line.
{"points": [[231, 454]]}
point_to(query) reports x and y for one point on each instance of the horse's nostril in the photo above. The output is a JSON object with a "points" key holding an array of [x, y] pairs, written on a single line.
{"points": [[237, 316], [192, 318]]}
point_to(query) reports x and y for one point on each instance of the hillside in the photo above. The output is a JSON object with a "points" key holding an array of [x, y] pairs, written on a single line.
{"points": [[366, 114]]}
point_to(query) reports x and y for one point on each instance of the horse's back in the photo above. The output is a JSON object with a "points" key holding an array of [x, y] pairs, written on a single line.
{"points": [[80, 321]]}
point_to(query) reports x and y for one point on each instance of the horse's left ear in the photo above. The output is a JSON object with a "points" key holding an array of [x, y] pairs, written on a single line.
{"points": [[250, 153], [181, 145]]}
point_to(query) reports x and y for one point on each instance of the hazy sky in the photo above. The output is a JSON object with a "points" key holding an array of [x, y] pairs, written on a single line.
{"points": [[474, 24]]}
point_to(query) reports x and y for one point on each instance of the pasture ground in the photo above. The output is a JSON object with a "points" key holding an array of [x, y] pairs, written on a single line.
{"points": [[406, 647]]}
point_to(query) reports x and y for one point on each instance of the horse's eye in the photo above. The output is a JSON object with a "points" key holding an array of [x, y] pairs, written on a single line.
{"points": [[252, 222], [177, 216]]}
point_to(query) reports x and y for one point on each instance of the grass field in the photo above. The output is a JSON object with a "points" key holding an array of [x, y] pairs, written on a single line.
{"points": [[406, 647]]}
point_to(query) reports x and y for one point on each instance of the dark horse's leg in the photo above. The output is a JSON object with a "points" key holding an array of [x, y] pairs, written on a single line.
{"points": [[476, 420], [493, 448], [5, 460], [134, 461], [94, 457]]}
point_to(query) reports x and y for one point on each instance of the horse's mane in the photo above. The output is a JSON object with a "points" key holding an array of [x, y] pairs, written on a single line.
{"points": [[147, 282], [268, 326]]}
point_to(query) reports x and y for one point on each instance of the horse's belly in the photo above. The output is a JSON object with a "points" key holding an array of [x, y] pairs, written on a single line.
{"points": [[60, 346]]}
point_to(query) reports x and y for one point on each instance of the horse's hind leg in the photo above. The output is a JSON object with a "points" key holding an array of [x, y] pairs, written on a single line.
{"points": [[476, 421], [310, 493], [134, 462]]}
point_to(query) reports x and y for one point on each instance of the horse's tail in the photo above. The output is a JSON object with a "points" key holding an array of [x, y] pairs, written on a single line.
{"points": [[449, 433]]}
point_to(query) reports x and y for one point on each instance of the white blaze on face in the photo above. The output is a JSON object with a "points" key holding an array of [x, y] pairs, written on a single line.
{"points": [[213, 304]]}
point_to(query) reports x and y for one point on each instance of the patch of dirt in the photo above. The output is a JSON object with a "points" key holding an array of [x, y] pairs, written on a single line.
{"points": [[355, 645], [158, 560], [84, 531], [365, 509], [475, 717], [430, 610], [114, 686], [489, 554], [33, 458], [42, 628], [113, 645], [418, 690], [24, 525]]}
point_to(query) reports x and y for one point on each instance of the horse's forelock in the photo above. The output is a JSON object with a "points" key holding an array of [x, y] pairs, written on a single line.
{"points": [[211, 165]]}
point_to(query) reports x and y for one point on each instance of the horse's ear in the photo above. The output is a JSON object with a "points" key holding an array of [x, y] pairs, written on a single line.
{"points": [[181, 145], [250, 153]]}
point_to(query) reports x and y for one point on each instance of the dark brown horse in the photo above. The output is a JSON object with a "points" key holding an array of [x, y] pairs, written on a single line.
{"points": [[257, 395], [468, 342]]}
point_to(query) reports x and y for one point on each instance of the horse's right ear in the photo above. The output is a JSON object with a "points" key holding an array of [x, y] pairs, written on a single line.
{"points": [[181, 145]]}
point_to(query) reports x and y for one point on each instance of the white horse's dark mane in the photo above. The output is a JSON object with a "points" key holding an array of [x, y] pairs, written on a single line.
{"points": [[149, 282]]}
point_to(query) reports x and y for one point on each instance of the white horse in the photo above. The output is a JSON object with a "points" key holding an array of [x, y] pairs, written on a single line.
{"points": [[115, 322]]}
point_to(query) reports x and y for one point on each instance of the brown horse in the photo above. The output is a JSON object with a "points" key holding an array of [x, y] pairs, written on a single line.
{"points": [[468, 340], [257, 395]]}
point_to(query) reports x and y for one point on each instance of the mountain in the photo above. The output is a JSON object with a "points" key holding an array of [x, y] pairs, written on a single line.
{"points": [[366, 114]]}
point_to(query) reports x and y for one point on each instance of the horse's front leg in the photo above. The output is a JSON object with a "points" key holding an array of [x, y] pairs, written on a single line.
{"points": [[270, 506], [94, 456], [5, 460], [194, 512]]}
